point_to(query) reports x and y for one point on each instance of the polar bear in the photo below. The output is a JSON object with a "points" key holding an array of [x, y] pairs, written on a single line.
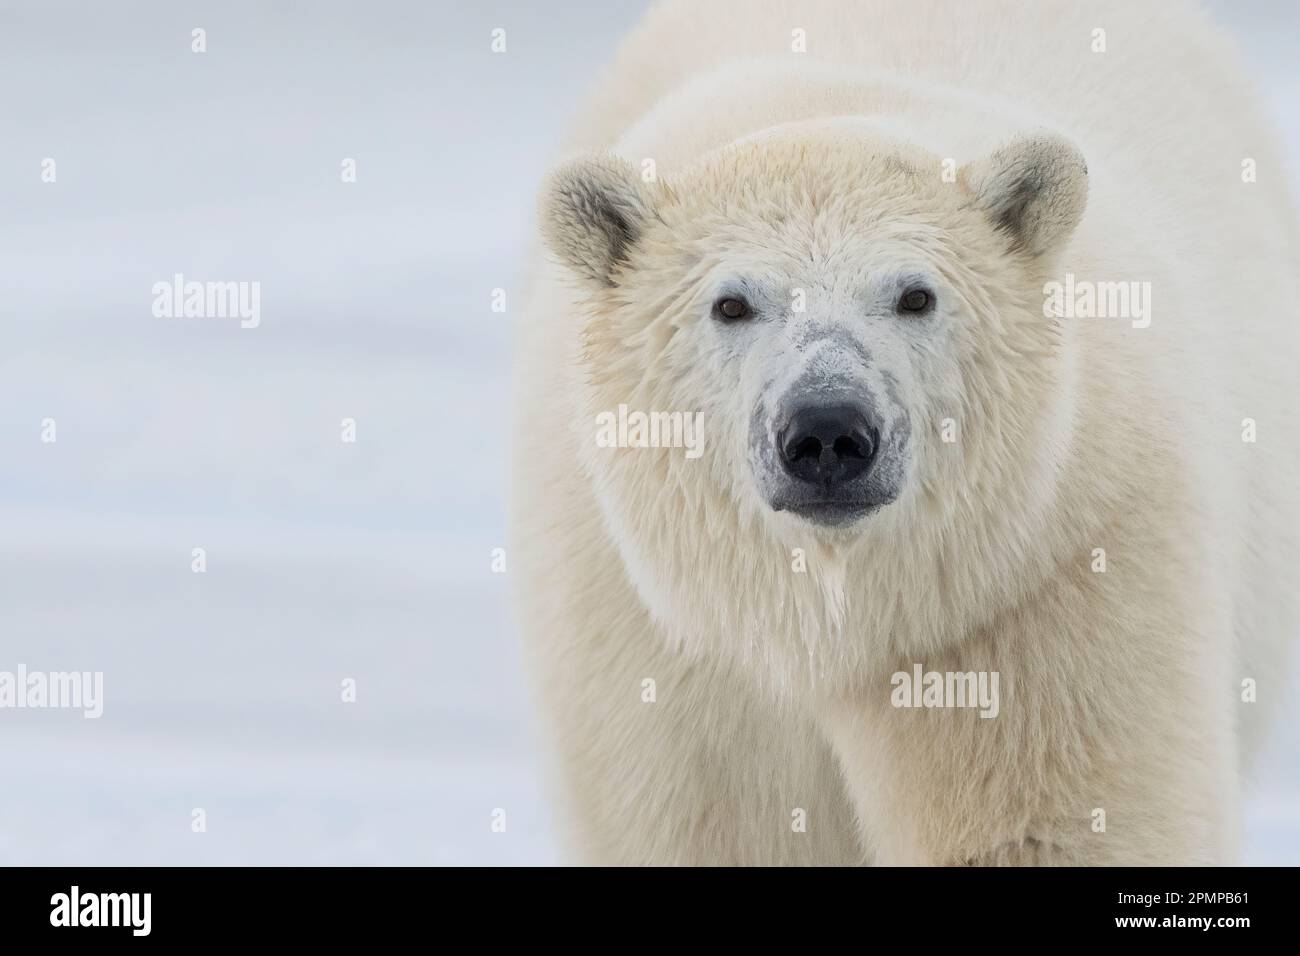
{"points": [[989, 551]]}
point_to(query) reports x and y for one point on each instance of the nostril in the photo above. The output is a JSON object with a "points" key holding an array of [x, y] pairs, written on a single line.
{"points": [[846, 446], [809, 447]]}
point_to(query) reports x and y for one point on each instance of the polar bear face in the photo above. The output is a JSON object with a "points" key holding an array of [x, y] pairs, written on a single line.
{"points": [[830, 307], [820, 303]]}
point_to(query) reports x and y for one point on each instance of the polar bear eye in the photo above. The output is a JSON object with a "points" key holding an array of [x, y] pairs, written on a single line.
{"points": [[731, 308], [915, 301]]}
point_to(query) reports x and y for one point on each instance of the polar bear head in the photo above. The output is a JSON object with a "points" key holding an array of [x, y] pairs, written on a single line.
{"points": [[861, 339]]}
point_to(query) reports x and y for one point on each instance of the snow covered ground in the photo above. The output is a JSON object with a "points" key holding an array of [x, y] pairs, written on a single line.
{"points": [[325, 560]]}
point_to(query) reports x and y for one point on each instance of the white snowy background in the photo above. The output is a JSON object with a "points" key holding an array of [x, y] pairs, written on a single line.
{"points": [[325, 560]]}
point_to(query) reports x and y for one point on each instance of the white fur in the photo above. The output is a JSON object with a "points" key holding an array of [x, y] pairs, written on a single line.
{"points": [[1121, 690]]}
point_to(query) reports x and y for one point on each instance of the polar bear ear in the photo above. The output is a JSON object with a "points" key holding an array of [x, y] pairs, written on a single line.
{"points": [[1035, 188], [593, 210]]}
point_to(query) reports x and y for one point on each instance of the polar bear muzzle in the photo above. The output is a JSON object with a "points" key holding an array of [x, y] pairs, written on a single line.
{"points": [[831, 452]]}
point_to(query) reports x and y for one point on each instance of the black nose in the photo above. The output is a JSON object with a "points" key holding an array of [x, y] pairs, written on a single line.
{"points": [[828, 445]]}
